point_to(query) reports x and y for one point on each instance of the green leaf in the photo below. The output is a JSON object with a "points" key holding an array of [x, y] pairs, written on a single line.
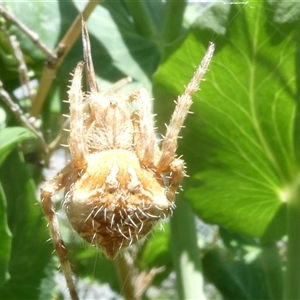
{"points": [[245, 269], [285, 12], [10, 137], [216, 19], [155, 251], [230, 276], [30, 253], [239, 144], [89, 262], [118, 50], [43, 19], [5, 237]]}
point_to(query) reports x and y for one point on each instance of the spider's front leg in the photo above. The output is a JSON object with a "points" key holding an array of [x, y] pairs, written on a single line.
{"points": [[167, 161], [176, 170], [77, 140], [49, 189], [183, 104]]}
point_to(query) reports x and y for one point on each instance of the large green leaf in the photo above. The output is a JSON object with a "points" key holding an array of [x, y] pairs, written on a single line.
{"points": [[239, 144]]}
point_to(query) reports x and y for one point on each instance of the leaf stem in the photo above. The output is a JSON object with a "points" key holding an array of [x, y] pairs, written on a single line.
{"points": [[173, 20], [124, 271], [292, 286], [186, 258], [273, 269], [142, 18]]}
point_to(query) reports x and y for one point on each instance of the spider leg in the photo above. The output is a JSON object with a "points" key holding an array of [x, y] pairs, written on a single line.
{"points": [[77, 141], [183, 105], [144, 136], [176, 169], [118, 85], [90, 73], [48, 189]]}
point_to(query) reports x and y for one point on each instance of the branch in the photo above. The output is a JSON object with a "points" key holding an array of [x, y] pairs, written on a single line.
{"points": [[23, 72], [31, 34], [15, 108]]}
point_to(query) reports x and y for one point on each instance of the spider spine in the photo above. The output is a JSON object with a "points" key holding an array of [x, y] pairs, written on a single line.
{"points": [[120, 231], [112, 220]]}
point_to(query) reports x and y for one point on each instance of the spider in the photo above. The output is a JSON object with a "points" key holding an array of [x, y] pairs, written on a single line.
{"points": [[119, 183]]}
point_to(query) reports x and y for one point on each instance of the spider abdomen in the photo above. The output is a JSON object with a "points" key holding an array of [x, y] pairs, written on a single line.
{"points": [[116, 201]]}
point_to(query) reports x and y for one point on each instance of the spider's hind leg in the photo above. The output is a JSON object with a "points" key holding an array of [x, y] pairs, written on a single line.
{"points": [[49, 189]]}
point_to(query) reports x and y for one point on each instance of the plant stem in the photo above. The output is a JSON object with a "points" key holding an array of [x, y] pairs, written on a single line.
{"points": [[273, 269], [142, 18], [292, 286], [173, 20], [124, 271], [185, 253]]}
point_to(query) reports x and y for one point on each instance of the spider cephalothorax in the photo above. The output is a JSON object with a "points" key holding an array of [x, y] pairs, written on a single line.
{"points": [[119, 183]]}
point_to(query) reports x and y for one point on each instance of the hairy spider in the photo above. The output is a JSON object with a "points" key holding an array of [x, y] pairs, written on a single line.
{"points": [[119, 184]]}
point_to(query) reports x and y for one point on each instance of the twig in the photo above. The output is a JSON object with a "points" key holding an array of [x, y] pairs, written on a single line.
{"points": [[132, 282], [53, 145], [15, 108], [23, 72], [24, 80], [31, 34], [124, 271]]}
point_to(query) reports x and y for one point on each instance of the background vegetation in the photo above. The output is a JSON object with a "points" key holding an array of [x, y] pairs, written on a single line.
{"points": [[241, 147]]}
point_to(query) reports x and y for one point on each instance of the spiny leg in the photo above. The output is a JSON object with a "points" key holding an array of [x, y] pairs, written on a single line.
{"points": [[91, 78], [144, 135], [48, 189], [176, 169], [118, 85], [183, 105], [77, 141]]}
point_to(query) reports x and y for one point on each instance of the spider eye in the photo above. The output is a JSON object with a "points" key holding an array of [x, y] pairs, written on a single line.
{"points": [[111, 190]]}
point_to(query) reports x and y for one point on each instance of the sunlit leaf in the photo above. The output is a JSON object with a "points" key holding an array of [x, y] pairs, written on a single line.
{"points": [[239, 143]]}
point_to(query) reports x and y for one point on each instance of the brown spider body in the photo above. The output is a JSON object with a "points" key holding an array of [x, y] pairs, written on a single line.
{"points": [[119, 183], [114, 206]]}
